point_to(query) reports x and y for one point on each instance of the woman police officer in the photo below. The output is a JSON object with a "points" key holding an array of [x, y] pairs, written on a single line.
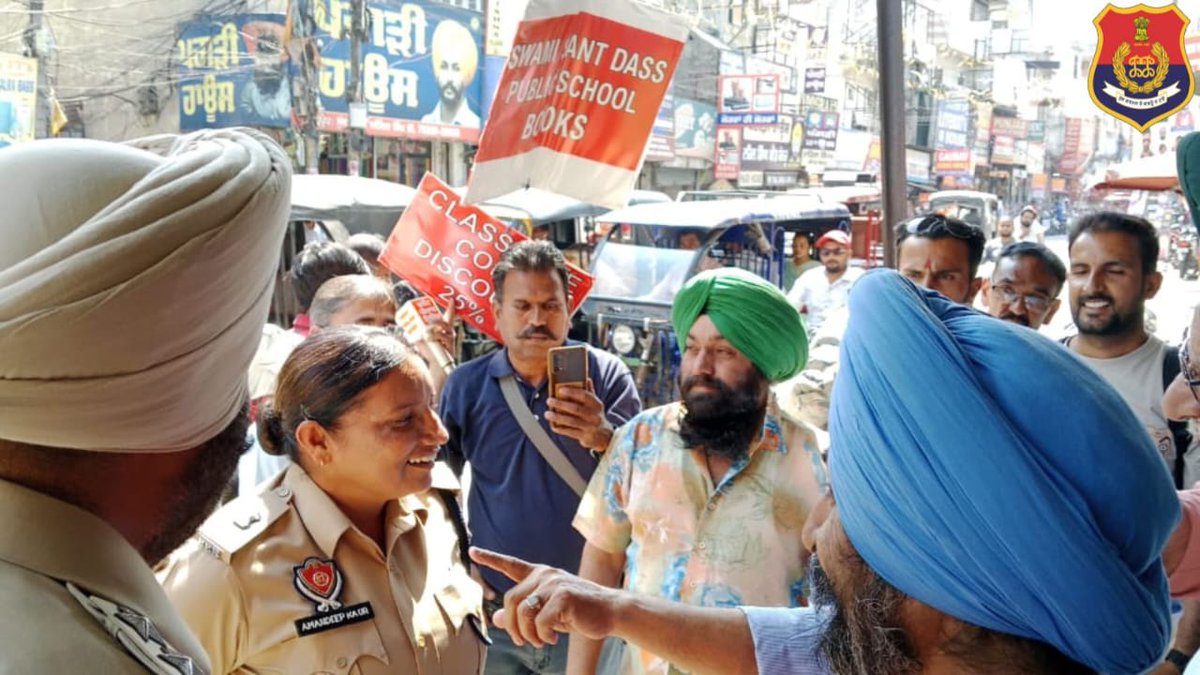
{"points": [[347, 562]]}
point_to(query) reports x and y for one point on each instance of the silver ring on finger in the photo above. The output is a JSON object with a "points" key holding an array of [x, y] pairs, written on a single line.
{"points": [[534, 602]]}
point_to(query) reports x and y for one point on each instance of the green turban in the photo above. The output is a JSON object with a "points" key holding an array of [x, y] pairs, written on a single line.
{"points": [[751, 313]]}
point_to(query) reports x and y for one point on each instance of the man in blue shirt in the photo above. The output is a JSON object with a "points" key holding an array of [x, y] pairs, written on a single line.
{"points": [[518, 504]]}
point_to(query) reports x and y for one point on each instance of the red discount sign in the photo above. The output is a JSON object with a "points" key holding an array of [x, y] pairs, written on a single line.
{"points": [[447, 249], [577, 100]]}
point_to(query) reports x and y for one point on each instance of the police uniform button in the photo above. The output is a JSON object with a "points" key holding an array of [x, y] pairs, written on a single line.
{"points": [[421, 642], [342, 662]]}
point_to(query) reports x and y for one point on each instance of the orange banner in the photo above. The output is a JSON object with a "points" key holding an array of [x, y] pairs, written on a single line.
{"points": [[584, 81], [447, 249]]}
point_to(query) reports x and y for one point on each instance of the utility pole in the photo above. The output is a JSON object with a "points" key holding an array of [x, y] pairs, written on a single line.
{"points": [[891, 108], [309, 98], [354, 93], [35, 47]]}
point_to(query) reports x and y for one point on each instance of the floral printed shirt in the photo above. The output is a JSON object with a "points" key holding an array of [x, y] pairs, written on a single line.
{"points": [[685, 539]]}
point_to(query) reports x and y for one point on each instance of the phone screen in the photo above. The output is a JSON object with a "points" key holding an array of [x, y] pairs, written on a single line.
{"points": [[567, 365]]}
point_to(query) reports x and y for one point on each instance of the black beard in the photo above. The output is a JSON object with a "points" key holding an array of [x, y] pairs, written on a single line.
{"points": [[1117, 324], [867, 637], [723, 424], [451, 94], [268, 81], [195, 500]]}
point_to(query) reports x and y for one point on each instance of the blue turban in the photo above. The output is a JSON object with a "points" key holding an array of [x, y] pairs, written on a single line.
{"points": [[986, 472]]}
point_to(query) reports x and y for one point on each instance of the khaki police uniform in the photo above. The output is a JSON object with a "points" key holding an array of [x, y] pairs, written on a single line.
{"points": [[79, 599], [282, 582]]}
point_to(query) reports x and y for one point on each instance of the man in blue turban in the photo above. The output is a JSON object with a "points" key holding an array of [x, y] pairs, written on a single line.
{"points": [[992, 486], [995, 508]]}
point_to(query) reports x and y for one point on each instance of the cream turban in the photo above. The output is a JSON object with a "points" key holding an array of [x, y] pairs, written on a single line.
{"points": [[134, 286]]}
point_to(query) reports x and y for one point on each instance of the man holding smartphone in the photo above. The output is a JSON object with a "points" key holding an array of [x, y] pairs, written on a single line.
{"points": [[530, 453]]}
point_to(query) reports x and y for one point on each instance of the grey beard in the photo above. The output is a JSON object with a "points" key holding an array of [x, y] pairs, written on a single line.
{"points": [[865, 637]]}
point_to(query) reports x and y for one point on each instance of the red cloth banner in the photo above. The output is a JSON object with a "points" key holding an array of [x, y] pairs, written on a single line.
{"points": [[447, 250]]}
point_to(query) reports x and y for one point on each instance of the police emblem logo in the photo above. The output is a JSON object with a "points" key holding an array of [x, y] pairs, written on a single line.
{"points": [[320, 581], [1140, 73]]}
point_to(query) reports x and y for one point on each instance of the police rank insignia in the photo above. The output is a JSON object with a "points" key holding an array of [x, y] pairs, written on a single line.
{"points": [[320, 581], [1140, 73]]}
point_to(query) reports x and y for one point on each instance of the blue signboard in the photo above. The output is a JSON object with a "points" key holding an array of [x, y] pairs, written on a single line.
{"points": [[233, 71], [421, 68], [953, 124]]}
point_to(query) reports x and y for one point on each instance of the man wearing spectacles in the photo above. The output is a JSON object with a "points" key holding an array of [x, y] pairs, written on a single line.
{"points": [[1025, 285], [941, 254], [822, 290]]}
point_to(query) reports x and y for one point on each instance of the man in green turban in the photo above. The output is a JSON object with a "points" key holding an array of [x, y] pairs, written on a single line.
{"points": [[703, 500]]}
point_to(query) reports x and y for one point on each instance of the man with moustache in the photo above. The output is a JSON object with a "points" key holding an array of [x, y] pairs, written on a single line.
{"points": [[1113, 272], [823, 290], [1025, 285], [935, 252], [702, 501], [925, 561], [130, 306], [455, 62], [519, 502]]}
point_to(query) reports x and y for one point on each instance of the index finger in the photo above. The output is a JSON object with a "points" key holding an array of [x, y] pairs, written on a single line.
{"points": [[513, 568], [449, 312]]}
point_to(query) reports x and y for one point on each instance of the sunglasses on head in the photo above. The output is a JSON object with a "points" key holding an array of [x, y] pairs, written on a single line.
{"points": [[936, 224]]}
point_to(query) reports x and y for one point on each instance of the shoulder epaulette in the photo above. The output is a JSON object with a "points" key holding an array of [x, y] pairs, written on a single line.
{"points": [[241, 521]]}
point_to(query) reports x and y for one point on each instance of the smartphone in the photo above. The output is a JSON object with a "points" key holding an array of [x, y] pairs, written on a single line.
{"points": [[567, 365]]}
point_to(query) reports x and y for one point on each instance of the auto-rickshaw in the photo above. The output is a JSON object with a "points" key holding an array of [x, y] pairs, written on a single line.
{"points": [[567, 222], [981, 209], [866, 210], [652, 249]]}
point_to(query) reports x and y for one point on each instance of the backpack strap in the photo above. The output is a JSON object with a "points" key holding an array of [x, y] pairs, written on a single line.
{"points": [[1179, 430]]}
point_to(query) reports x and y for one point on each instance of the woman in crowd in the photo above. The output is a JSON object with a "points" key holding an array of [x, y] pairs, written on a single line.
{"points": [[347, 562]]}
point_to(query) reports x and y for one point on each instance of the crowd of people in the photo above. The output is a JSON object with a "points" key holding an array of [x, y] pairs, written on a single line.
{"points": [[863, 475]]}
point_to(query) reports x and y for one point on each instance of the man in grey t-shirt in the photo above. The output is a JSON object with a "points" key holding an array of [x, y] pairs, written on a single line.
{"points": [[1113, 260], [1113, 272]]}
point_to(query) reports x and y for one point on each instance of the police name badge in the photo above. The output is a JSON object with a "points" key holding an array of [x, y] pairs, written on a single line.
{"points": [[1140, 73], [320, 581]]}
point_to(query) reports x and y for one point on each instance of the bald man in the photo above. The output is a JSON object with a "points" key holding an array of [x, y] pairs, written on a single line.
{"points": [[130, 306]]}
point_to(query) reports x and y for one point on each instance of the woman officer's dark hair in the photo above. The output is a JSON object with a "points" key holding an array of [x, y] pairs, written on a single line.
{"points": [[322, 379]]}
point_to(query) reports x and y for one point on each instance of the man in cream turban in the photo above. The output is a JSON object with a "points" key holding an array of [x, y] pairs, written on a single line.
{"points": [[988, 514], [133, 288], [703, 501], [455, 61]]}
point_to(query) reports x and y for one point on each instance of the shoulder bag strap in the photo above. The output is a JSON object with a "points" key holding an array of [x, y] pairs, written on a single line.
{"points": [[546, 447]]}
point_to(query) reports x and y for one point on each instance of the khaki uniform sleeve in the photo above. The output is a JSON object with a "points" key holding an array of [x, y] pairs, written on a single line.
{"points": [[602, 517], [208, 596]]}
